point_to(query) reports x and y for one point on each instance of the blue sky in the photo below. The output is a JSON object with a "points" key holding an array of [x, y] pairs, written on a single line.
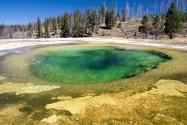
{"points": [[24, 11]]}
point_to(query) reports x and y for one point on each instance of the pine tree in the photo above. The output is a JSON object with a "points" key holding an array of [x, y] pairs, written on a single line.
{"points": [[77, 28], [157, 26], [50, 24], [2, 27], [113, 17], [99, 16], [71, 24], [94, 21], [110, 19], [46, 27], [145, 27], [30, 30], [91, 21], [88, 21], [103, 11], [39, 28], [54, 25], [107, 19], [123, 14], [65, 31], [118, 17], [183, 17], [59, 20], [173, 21]]}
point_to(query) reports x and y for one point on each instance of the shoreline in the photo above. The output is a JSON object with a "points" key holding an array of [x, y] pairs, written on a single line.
{"points": [[9, 44]]}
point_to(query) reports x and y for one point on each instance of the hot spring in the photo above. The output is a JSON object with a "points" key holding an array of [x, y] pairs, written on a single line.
{"points": [[38, 82], [94, 64]]}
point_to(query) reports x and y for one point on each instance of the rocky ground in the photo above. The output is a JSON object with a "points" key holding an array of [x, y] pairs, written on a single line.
{"points": [[161, 103]]}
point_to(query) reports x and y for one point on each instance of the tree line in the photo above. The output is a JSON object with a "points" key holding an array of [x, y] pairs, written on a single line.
{"points": [[87, 23], [76, 24], [169, 23], [69, 24]]}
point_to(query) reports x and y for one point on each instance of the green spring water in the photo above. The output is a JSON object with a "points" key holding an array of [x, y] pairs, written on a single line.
{"points": [[94, 64]]}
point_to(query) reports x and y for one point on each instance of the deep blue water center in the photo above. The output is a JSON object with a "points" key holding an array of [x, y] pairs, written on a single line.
{"points": [[94, 64]]}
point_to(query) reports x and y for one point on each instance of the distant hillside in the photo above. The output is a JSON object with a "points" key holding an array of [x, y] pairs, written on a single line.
{"points": [[129, 29]]}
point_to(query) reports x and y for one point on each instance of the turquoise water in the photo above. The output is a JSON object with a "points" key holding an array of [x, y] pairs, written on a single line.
{"points": [[94, 64]]}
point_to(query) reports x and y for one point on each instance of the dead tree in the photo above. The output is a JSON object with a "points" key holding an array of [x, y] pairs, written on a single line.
{"points": [[127, 9], [139, 10], [162, 7]]}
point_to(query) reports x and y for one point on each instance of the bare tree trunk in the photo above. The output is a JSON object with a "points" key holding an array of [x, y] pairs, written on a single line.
{"points": [[71, 25], [170, 35], [116, 8], [182, 5], [147, 10], [162, 7], [177, 4], [134, 8], [169, 4], [155, 7], [131, 13], [139, 10], [127, 9]]}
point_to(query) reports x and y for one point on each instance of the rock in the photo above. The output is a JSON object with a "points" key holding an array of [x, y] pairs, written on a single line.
{"points": [[167, 119], [79, 105], [170, 88], [63, 98], [2, 78], [21, 88], [37, 89], [51, 120]]}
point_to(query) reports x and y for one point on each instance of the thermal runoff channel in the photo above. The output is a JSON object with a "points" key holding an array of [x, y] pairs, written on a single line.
{"points": [[94, 64]]}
